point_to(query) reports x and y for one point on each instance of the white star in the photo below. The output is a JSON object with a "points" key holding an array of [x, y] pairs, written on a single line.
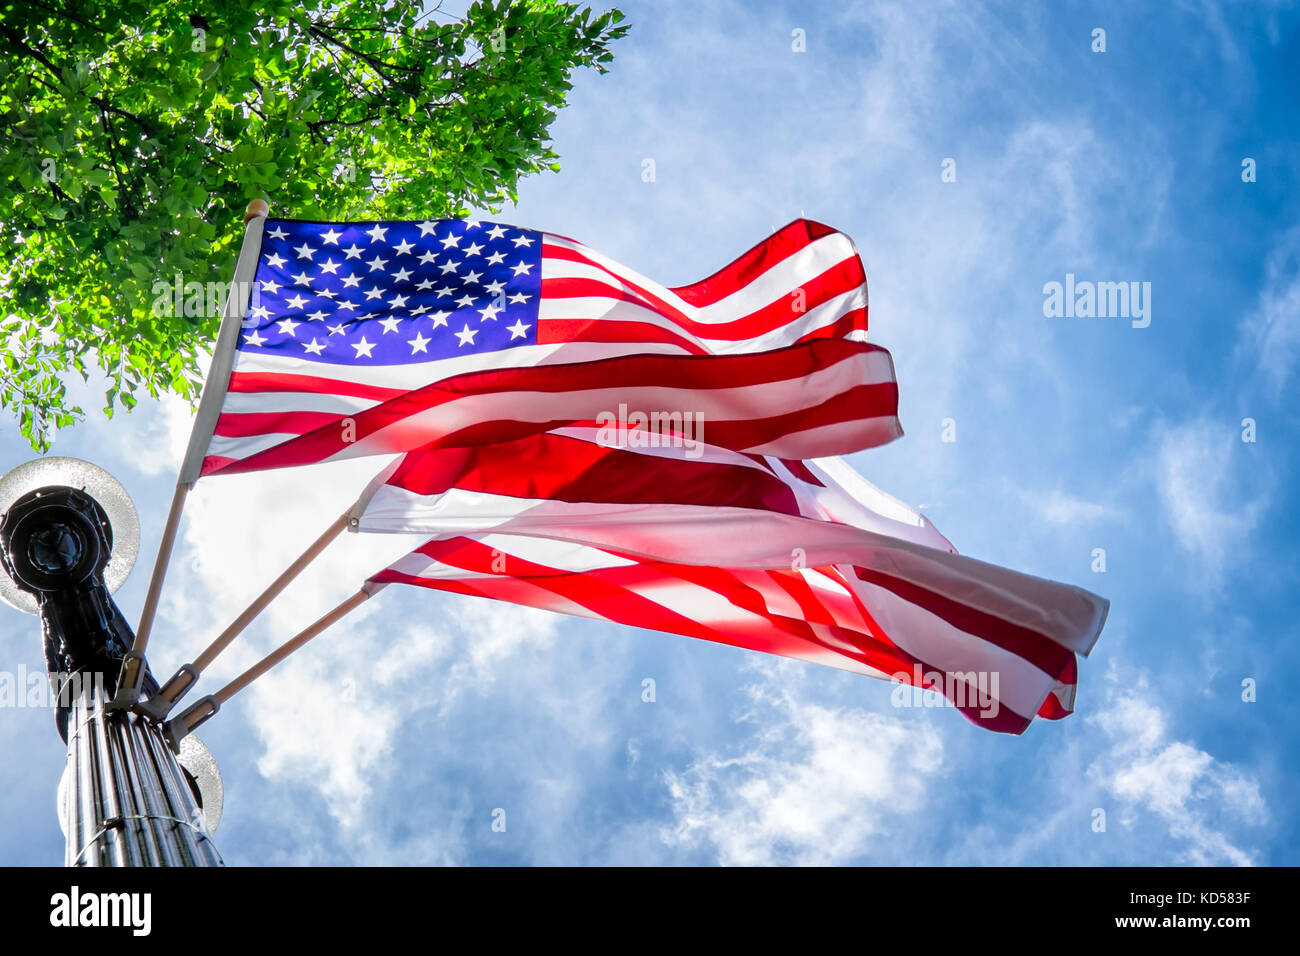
{"points": [[345, 304], [255, 338], [330, 266], [374, 293], [473, 249], [444, 291], [288, 325], [449, 241], [466, 336], [275, 259], [353, 251], [260, 312], [350, 282], [449, 267], [401, 275], [376, 233], [327, 293], [339, 329], [302, 279], [399, 301], [489, 311], [496, 232], [519, 298], [465, 301], [363, 348], [419, 343], [331, 237], [304, 251], [403, 247], [419, 310], [518, 329], [495, 287], [471, 224], [425, 285], [317, 316], [473, 276], [439, 318], [297, 302], [522, 240], [270, 286], [377, 263], [521, 268], [278, 233], [315, 347], [428, 257], [427, 227], [390, 324], [496, 258]]}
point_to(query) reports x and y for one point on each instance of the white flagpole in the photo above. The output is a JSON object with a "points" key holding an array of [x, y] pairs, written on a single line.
{"points": [[214, 395]]}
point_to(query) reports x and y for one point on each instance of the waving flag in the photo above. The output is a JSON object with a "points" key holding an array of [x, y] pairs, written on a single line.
{"points": [[377, 338], [801, 559]]}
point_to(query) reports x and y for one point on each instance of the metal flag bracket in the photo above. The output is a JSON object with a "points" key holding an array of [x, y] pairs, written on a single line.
{"points": [[198, 713]]}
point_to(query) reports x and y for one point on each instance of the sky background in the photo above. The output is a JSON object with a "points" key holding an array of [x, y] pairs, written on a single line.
{"points": [[396, 735]]}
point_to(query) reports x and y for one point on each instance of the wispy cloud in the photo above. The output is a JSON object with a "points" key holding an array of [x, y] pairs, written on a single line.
{"points": [[1270, 335], [1196, 472], [811, 785], [1201, 801]]}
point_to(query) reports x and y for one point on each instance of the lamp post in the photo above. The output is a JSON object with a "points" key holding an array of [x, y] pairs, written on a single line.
{"points": [[125, 799]]}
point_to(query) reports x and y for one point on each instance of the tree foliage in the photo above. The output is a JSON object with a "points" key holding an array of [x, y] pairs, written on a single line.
{"points": [[137, 132]]}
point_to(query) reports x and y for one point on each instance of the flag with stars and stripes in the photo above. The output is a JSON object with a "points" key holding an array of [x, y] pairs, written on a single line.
{"points": [[802, 559], [379, 338]]}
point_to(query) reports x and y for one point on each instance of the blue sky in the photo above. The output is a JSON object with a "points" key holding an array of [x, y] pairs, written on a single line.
{"points": [[395, 736]]}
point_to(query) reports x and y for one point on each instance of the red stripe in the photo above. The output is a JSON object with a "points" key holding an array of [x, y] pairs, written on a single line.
{"points": [[845, 325], [271, 423], [777, 247], [552, 331], [561, 468], [289, 382]]}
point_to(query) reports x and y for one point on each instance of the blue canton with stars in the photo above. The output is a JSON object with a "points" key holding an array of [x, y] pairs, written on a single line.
{"points": [[393, 293]]}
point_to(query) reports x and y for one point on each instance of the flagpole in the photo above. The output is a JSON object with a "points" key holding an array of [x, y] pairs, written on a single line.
{"points": [[178, 728], [214, 394], [159, 705]]}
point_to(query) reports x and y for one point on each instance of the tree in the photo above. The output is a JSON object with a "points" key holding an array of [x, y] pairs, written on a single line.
{"points": [[137, 132]]}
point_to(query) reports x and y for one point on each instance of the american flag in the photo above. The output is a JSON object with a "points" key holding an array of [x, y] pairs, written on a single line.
{"points": [[802, 559], [379, 338]]}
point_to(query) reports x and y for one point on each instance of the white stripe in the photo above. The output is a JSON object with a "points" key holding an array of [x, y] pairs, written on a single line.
{"points": [[775, 283], [253, 403], [223, 446]]}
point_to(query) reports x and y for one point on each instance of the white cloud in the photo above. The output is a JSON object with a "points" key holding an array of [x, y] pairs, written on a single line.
{"points": [[1199, 799], [1271, 334], [1060, 508], [813, 785], [1204, 503]]}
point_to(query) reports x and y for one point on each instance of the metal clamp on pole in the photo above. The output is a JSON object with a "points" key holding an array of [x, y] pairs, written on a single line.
{"points": [[160, 704], [178, 728], [129, 682]]}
